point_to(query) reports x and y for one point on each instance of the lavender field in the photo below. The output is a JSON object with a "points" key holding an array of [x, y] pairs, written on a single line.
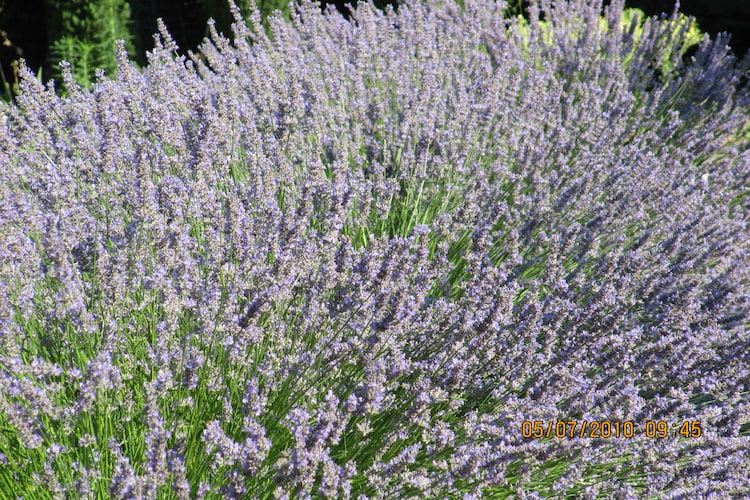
{"points": [[383, 258]]}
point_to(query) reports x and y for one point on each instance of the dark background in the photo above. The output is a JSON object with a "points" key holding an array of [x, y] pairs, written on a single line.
{"points": [[26, 31], [713, 16]]}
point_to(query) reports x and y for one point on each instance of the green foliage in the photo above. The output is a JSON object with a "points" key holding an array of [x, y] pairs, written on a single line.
{"points": [[514, 8], [683, 35], [84, 34], [685, 26]]}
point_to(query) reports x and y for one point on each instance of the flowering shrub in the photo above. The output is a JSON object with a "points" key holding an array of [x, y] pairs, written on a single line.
{"points": [[354, 258]]}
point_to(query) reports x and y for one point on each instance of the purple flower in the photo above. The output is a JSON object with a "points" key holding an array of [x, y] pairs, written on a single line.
{"points": [[369, 257]]}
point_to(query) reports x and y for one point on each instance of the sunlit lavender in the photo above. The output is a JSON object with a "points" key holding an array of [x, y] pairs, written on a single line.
{"points": [[363, 259]]}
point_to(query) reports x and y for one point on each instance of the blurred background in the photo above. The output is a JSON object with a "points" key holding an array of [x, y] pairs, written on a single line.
{"points": [[83, 32]]}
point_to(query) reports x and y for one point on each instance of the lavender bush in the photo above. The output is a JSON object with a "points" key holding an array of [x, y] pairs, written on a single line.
{"points": [[351, 259]]}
